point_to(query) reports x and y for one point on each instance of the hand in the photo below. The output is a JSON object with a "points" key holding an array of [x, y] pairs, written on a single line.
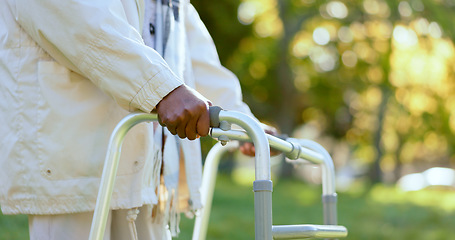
{"points": [[247, 148], [185, 112]]}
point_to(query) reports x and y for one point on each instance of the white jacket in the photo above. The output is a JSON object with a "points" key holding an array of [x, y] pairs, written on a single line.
{"points": [[69, 71]]}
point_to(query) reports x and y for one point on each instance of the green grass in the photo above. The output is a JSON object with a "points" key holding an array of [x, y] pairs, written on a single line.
{"points": [[13, 227], [377, 213]]}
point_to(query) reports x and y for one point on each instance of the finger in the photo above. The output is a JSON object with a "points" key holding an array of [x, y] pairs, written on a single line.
{"points": [[247, 149], [190, 129], [181, 129], [252, 150], [274, 152], [172, 130], [171, 127], [203, 124], [248, 152]]}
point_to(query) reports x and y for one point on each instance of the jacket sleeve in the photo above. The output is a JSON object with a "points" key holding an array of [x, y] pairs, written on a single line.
{"points": [[213, 80], [94, 39]]}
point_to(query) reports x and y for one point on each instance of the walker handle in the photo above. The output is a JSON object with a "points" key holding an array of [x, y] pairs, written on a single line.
{"points": [[214, 114]]}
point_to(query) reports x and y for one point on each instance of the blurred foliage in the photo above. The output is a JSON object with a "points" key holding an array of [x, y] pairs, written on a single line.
{"points": [[374, 74]]}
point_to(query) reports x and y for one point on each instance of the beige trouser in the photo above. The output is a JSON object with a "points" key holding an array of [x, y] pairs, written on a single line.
{"points": [[77, 226]]}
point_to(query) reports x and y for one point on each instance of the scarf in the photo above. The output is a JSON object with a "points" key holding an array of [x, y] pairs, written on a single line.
{"points": [[164, 30]]}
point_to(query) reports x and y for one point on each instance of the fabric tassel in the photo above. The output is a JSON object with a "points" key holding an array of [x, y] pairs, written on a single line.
{"points": [[131, 218], [171, 156], [171, 214], [193, 167]]}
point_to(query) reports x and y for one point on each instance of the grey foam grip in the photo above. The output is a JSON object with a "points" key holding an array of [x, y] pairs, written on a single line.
{"points": [[214, 114]]}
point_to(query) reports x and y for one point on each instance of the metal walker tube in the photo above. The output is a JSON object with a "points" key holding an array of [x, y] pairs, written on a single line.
{"points": [[208, 187], [331, 230], [257, 135], [110, 170], [262, 185], [304, 149], [301, 149], [263, 191], [313, 152], [329, 195]]}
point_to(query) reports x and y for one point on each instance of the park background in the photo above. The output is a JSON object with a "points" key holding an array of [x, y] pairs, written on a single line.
{"points": [[370, 80]]}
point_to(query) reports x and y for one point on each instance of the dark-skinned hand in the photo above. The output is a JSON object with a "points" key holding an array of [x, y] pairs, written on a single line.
{"points": [[185, 113]]}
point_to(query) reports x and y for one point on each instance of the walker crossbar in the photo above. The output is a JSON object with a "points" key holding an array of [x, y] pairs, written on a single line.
{"points": [[308, 231], [287, 147]]}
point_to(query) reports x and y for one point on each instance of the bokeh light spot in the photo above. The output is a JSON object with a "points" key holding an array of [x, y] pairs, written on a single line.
{"points": [[349, 59], [345, 34], [405, 9], [246, 12], [321, 36], [435, 30], [337, 9], [404, 37]]}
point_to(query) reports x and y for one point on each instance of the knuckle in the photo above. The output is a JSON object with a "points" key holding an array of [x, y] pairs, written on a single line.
{"points": [[202, 106], [188, 113], [172, 122], [180, 118], [164, 119]]}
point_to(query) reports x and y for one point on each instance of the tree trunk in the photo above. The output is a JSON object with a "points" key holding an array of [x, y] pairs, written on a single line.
{"points": [[375, 173]]}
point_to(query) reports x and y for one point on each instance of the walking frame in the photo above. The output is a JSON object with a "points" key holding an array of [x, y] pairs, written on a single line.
{"points": [[220, 121]]}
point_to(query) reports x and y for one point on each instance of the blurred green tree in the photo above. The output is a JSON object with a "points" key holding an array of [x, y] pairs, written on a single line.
{"points": [[377, 74]]}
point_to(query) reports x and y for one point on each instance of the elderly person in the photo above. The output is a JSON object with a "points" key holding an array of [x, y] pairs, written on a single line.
{"points": [[70, 70]]}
